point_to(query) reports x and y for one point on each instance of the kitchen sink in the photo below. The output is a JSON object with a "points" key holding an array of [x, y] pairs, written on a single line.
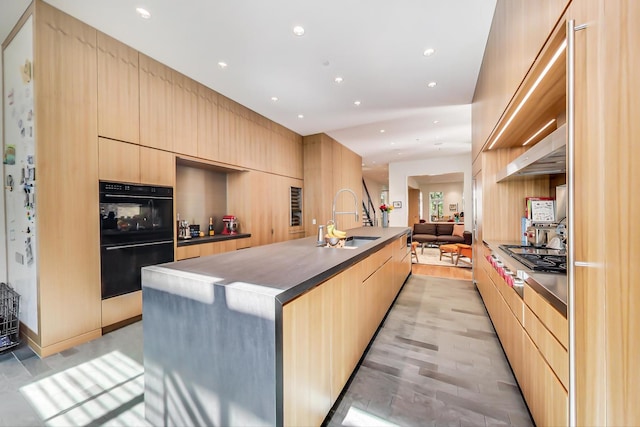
{"points": [[357, 241], [354, 242]]}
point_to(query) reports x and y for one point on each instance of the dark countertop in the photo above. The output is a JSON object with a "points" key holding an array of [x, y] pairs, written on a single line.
{"points": [[209, 239], [286, 269], [552, 286]]}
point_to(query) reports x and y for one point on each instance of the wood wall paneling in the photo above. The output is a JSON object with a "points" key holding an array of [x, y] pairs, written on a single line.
{"points": [[156, 104], [185, 115], [65, 75], [118, 90], [503, 204], [118, 161]]}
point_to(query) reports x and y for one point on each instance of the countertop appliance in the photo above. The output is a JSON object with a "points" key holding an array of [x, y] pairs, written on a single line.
{"points": [[539, 259], [136, 230], [230, 224], [539, 235]]}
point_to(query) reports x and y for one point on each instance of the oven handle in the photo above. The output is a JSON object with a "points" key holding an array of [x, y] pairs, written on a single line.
{"points": [[138, 245], [124, 196]]}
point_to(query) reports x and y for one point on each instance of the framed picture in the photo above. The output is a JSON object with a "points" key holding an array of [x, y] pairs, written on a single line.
{"points": [[453, 207], [397, 205]]}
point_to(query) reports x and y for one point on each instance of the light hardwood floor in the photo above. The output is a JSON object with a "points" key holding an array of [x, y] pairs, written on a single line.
{"points": [[441, 271]]}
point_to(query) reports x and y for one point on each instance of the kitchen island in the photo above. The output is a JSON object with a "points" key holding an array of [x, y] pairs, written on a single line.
{"points": [[266, 335]]}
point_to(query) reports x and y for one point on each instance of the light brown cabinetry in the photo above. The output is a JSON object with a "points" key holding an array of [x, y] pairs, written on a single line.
{"points": [[327, 329], [518, 31], [526, 331], [306, 342], [118, 161], [157, 167], [118, 90], [210, 248], [347, 335], [329, 167], [156, 104], [606, 151], [267, 211], [207, 124], [66, 87], [124, 162], [185, 115]]}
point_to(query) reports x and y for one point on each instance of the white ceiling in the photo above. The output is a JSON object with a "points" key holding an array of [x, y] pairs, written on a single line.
{"points": [[376, 46]]}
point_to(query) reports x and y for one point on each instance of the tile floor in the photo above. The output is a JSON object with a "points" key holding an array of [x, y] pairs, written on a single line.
{"points": [[435, 361]]}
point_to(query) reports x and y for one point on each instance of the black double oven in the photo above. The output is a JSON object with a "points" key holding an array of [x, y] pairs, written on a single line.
{"points": [[136, 230]]}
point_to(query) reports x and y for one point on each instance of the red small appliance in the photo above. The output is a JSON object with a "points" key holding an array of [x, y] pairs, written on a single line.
{"points": [[230, 224]]}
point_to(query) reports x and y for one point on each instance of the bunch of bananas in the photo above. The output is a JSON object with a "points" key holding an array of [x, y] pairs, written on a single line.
{"points": [[332, 231]]}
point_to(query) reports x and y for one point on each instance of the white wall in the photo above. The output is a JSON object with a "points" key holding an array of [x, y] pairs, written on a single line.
{"points": [[399, 173], [453, 193], [3, 228]]}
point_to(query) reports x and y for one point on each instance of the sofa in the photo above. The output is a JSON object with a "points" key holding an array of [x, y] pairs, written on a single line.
{"points": [[440, 233]]}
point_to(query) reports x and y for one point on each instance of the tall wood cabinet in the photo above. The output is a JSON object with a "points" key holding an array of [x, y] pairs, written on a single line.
{"points": [[65, 162], [156, 104], [118, 90], [607, 66], [604, 183], [328, 168]]}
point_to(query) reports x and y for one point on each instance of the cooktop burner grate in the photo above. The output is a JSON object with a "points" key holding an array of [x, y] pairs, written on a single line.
{"points": [[538, 259]]}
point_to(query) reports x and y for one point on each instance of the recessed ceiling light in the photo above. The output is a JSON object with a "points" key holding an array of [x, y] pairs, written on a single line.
{"points": [[298, 30], [301, 116], [393, 143], [438, 143], [429, 52], [435, 122], [274, 98], [381, 130], [143, 13], [432, 84], [222, 64], [356, 103], [338, 79]]}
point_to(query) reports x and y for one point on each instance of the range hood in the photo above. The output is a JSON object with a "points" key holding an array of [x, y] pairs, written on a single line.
{"points": [[547, 157]]}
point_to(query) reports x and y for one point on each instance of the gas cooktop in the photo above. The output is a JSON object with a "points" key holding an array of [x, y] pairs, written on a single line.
{"points": [[539, 259]]}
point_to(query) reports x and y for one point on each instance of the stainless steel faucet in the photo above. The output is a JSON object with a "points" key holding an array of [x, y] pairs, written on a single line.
{"points": [[355, 205]]}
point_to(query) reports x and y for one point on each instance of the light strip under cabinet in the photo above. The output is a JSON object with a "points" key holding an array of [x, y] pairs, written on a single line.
{"points": [[544, 72]]}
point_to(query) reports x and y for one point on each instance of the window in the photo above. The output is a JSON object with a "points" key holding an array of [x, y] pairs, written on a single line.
{"points": [[436, 205], [296, 206]]}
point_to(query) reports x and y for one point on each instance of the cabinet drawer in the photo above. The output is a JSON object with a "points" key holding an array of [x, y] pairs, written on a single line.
{"points": [[186, 252], [552, 319], [550, 348], [376, 260]]}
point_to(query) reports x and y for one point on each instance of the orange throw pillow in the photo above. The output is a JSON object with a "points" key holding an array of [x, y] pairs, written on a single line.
{"points": [[458, 229]]}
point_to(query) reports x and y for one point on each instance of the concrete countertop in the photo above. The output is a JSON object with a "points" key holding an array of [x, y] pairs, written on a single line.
{"points": [[286, 269], [552, 286]]}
